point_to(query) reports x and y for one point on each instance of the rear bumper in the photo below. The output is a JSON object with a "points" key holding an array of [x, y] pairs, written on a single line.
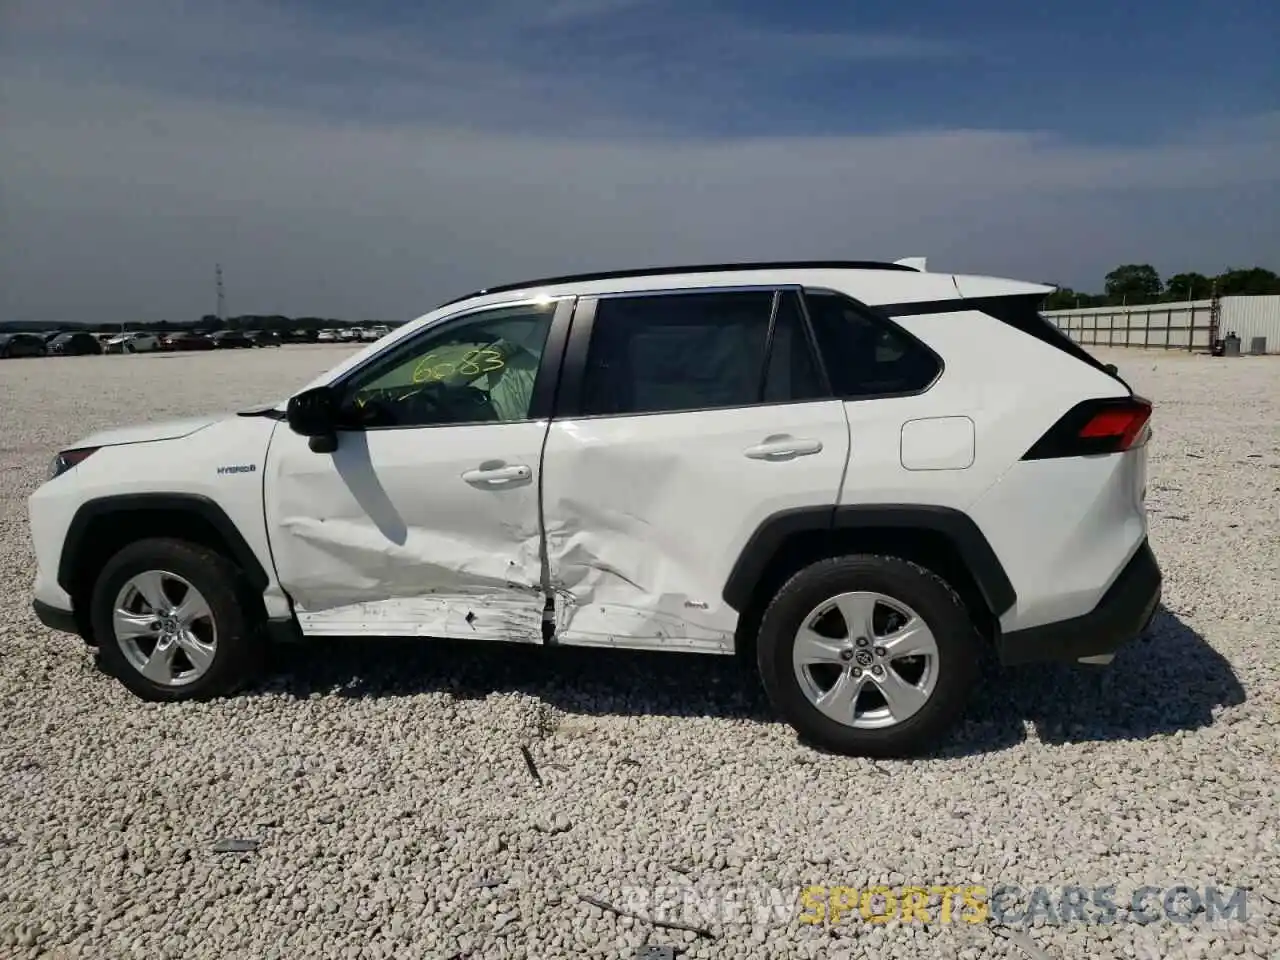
{"points": [[1122, 614], [55, 619]]}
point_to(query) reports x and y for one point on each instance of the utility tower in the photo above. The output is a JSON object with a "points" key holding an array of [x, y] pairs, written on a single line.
{"points": [[222, 298]]}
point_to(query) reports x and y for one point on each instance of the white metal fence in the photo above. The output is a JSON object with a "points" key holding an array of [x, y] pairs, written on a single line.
{"points": [[1250, 317], [1175, 326]]}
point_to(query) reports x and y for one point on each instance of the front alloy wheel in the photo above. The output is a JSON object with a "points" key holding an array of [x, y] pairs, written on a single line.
{"points": [[165, 628], [174, 620]]}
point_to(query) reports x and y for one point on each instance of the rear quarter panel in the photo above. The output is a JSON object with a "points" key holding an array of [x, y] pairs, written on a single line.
{"points": [[1063, 528]]}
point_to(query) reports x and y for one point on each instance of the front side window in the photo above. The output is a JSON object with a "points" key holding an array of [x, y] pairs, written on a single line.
{"points": [[864, 356], [695, 351], [476, 369]]}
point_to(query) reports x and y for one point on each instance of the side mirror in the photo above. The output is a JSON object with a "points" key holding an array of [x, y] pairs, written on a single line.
{"points": [[313, 414], [1112, 369]]}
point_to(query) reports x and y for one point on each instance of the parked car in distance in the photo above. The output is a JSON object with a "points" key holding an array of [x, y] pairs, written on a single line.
{"points": [[327, 336], [75, 344], [228, 339], [187, 340], [132, 343], [14, 345], [264, 338]]}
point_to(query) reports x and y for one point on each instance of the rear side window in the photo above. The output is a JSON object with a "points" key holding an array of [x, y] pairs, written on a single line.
{"points": [[864, 356], [696, 351]]}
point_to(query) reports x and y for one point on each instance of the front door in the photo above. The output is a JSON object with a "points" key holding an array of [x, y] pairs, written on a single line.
{"points": [[425, 519]]}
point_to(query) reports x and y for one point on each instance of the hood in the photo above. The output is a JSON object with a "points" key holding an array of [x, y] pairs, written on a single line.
{"points": [[143, 432]]}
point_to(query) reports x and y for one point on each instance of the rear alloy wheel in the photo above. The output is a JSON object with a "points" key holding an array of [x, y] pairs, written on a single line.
{"points": [[169, 618], [865, 660], [868, 655]]}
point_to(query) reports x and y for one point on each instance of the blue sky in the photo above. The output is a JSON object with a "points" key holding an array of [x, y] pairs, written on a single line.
{"points": [[371, 159], [1096, 70]]}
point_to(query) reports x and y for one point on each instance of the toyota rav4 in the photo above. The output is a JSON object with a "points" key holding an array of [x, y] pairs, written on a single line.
{"points": [[861, 476]]}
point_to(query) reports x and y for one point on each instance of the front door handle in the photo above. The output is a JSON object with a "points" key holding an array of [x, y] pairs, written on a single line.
{"points": [[486, 476], [783, 448]]}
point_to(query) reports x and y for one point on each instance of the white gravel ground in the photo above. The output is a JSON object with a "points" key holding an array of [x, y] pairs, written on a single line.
{"points": [[396, 816]]}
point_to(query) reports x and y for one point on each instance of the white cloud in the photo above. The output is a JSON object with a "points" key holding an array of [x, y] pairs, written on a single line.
{"points": [[598, 65], [118, 196]]}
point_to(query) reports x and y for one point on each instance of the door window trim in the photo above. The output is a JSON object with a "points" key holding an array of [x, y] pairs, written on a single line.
{"points": [[542, 400], [569, 403]]}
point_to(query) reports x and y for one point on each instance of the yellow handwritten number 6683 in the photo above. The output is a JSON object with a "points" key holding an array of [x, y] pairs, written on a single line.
{"points": [[472, 364]]}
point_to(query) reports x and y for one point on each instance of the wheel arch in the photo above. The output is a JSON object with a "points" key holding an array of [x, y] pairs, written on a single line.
{"points": [[942, 539], [103, 526]]}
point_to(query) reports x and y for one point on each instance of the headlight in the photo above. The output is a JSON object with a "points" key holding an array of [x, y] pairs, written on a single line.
{"points": [[67, 459]]}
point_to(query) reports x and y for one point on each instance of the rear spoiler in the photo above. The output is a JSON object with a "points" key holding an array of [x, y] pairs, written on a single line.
{"points": [[1014, 302], [1022, 312], [915, 263]]}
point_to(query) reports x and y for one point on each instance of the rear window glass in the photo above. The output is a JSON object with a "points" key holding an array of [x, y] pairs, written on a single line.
{"points": [[663, 353]]}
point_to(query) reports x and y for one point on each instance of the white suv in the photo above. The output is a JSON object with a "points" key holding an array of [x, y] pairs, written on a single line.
{"points": [[132, 343], [860, 475]]}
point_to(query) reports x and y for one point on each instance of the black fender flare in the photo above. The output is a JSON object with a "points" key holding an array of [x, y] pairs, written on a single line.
{"points": [[209, 511], [958, 528]]}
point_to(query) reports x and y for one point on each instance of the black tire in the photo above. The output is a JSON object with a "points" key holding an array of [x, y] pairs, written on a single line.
{"points": [[959, 652], [238, 650]]}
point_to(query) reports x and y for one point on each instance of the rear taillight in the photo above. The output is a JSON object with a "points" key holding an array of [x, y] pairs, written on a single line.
{"points": [[1095, 427]]}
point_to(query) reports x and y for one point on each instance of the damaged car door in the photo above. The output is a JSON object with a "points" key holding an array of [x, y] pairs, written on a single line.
{"points": [[423, 520], [684, 420]]}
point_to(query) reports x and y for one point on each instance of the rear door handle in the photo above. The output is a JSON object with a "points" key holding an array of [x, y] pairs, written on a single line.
{"points": [[495, 476], [783, 448]]}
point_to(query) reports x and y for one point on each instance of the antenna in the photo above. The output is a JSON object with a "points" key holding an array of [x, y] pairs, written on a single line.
{"points": [[222, 298]]}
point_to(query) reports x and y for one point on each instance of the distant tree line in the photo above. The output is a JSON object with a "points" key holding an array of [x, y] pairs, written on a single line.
{"points": [[209, 323], [1138, 283]]}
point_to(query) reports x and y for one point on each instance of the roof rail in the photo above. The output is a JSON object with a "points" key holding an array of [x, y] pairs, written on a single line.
{"points": [[691, 268]]}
